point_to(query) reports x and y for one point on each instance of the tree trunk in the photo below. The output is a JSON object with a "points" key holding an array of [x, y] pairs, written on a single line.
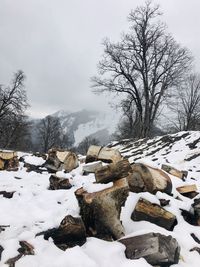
{"points": [[101, 210]]}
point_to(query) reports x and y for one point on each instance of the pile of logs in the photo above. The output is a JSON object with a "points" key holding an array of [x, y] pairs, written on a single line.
{"points": [[58, 160], [9, 161]]}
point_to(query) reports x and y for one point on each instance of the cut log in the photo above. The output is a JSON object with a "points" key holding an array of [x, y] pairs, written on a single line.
{"points": [[148, 179], [92, 167], [113, 171], [109, 155], [9, 161], [7, 155], [187, 188], [171, 170], [1, 164], [57, 183], [61, 160], [104, 154], [70, 162], [92, 154], [70, 233], [7, 194], [156, 249], [101, 210], [26, 248], [147, 211]]}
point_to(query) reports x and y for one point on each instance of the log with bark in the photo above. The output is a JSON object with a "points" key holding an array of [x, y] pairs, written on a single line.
{"points": [[71, 232], [147, 211], [9, 161], [156, 249], [61, 160], [145, 178], [101, 210], [173, 171], [113, 171], [188, 190], [104, 154], [57, 183]]}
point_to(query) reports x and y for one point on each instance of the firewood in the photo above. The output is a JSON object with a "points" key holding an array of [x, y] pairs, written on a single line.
{"points": [[145, 210], [71, 232], [156, 249], [113, 171], [104, 154], [101, 210], [4, 155], [145, 178], [187, 189], [59, 183], [171, 170]]}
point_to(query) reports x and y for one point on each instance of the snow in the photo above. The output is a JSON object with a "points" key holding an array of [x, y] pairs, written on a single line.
{"points": [[34, 209]]}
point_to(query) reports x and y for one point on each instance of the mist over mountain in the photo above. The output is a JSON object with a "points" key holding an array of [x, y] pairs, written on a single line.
{"points": [[78, 125]]}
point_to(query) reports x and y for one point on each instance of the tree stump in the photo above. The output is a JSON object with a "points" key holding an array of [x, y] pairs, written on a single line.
{"points": [[113, 171], [147, 211], [156, 249], [101, 210]]}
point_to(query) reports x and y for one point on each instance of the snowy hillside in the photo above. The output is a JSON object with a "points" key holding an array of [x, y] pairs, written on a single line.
{"points": [[34, 209], [88, 123]]}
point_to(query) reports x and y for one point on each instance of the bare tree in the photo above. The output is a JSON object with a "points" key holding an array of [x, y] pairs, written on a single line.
{"points": [[187, 106], [50, 133], [86, 143], [13, 104], [13, 99], [144, 65]]}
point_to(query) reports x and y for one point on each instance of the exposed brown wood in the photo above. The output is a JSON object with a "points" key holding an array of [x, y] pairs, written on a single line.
{"points": [[187, 188], [145, 178], [113, 171], [7, 155], [145, 210], [173, 171], [104, 154], [101, 210]]}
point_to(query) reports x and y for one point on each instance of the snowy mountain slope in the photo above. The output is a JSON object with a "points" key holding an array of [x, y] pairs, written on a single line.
{"points": [[34, 208], [88, 123], [181, 150]]}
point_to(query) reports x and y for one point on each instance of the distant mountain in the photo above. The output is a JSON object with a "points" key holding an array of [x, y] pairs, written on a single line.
{"points": [[78, 125]]}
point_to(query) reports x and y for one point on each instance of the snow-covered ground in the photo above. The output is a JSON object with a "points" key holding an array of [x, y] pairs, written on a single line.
{"points": [[34, 209]]}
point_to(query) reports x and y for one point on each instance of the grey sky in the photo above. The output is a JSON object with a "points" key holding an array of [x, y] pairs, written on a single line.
{"points": [[57, 43]]}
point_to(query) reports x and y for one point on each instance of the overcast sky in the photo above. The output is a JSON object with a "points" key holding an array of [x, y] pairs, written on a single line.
{"points": [[57, 43]]}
